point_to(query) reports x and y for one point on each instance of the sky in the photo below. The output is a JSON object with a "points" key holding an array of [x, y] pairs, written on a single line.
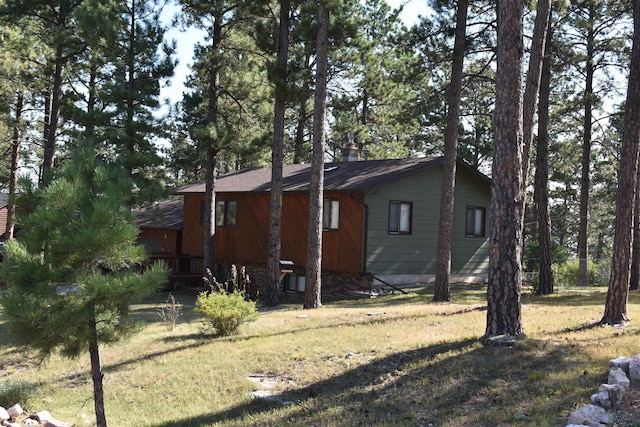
{"points": [[186, 41]]}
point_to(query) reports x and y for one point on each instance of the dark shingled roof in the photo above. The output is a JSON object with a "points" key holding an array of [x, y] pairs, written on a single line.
{"points": [[166, 214], [361, 176]]}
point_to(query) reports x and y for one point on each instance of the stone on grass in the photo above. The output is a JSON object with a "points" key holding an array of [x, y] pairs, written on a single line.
{"points": [[43, 416], [15, 410], [616, 393], [10, 424], [618, 376], [620, 362], [501, 341], [55, 423], [590, 415], [601, 399], [4, 415], [634, 368]]}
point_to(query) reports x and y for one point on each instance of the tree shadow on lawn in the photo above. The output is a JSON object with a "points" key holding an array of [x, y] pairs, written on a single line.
{"points": [[447, 384]]}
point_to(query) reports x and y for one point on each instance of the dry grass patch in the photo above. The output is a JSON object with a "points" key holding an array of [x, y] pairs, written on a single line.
{"points": [[397, 360]]}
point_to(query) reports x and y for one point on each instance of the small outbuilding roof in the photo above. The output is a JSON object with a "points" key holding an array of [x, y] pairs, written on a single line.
{"points": [[361, 176], [165, 214]]}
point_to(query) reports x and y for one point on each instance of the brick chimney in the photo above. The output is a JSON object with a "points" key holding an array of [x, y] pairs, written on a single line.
{"points": [[350, 152]]}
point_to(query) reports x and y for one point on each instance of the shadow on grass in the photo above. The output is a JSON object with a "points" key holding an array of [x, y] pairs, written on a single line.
{"points": [[450, 383]]}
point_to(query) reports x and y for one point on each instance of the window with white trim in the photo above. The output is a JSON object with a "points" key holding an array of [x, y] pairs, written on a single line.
{"points": [[330, 214], [475, 221], [400, 217]]}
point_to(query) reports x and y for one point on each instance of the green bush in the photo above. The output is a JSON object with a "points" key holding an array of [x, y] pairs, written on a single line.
{"points": [[225, 312], [12, 392], [567, 272]]}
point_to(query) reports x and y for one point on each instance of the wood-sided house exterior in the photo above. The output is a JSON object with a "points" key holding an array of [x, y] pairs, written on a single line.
{"points": [[380, 220]]}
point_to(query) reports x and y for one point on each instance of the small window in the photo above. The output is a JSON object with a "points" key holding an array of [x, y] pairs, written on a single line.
{"points": [[475, 221], [226, 213], [330, 214], [400, 217]]}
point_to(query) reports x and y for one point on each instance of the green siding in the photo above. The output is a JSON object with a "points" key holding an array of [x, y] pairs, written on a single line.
{"points": [[416, 253]]}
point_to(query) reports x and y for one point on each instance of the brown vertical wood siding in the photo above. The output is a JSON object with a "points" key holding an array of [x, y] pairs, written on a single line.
{"points": [[247, 241]]}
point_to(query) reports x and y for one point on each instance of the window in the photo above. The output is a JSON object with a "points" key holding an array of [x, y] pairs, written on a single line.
{"points": [[400, 217], [226, 213], [475, 221], [330, 214]]}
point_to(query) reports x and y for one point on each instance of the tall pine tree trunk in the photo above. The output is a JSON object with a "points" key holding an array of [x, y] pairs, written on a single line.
{"points": [[13, 174], [543, 13], [212, 152], [313, 278], [541, 192], [634, 282], [585, 180], [96, 376], [277, 154], [615, 311], [51, 126], [443, 261], [505, 243]]}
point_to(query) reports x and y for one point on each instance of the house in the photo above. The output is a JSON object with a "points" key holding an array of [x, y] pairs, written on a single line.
{"points": [[380, 221], [160, 228]]}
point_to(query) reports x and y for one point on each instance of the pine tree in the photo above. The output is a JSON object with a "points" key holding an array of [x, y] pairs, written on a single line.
{"points": [[73, 275]]}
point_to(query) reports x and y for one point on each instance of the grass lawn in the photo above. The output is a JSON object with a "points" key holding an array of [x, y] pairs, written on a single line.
{"points": [[391, 361]]}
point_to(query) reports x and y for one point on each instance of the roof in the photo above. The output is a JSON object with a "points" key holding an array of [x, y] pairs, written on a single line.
{"points": [[360, 176], [4, 199], [165, 214]]}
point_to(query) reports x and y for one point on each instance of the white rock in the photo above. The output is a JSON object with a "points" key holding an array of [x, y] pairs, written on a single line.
{"points": [[615, 391], [620, 362], [618, 376], [601, 399], [55, 423], [43, 416], [10, 424], [15, 410], [30, 422], [590, 415], [4, 415], [634, 368]]}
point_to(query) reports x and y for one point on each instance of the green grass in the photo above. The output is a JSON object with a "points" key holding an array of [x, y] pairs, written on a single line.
{"points": [[399, 360]]}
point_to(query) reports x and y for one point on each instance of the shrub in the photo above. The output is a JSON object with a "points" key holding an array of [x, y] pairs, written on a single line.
{"points": [[12, 392], [567, 272], [170, 312], [226, 306], [225, 312]]}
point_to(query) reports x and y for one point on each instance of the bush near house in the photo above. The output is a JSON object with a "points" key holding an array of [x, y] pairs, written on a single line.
{"points": [[226, 306]]}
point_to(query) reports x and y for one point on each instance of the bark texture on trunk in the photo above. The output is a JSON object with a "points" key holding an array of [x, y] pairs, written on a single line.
{"points": [[615, 311], [277, 160], [313, 278], [96, 377], [585, 179], [505, 243], [541, 192], [211, 154], [15, 157], [443, 260]]}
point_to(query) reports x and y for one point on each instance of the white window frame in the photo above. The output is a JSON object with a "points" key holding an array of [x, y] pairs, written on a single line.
{"points": [[330, 214], [475, 221], [400, 217]]}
